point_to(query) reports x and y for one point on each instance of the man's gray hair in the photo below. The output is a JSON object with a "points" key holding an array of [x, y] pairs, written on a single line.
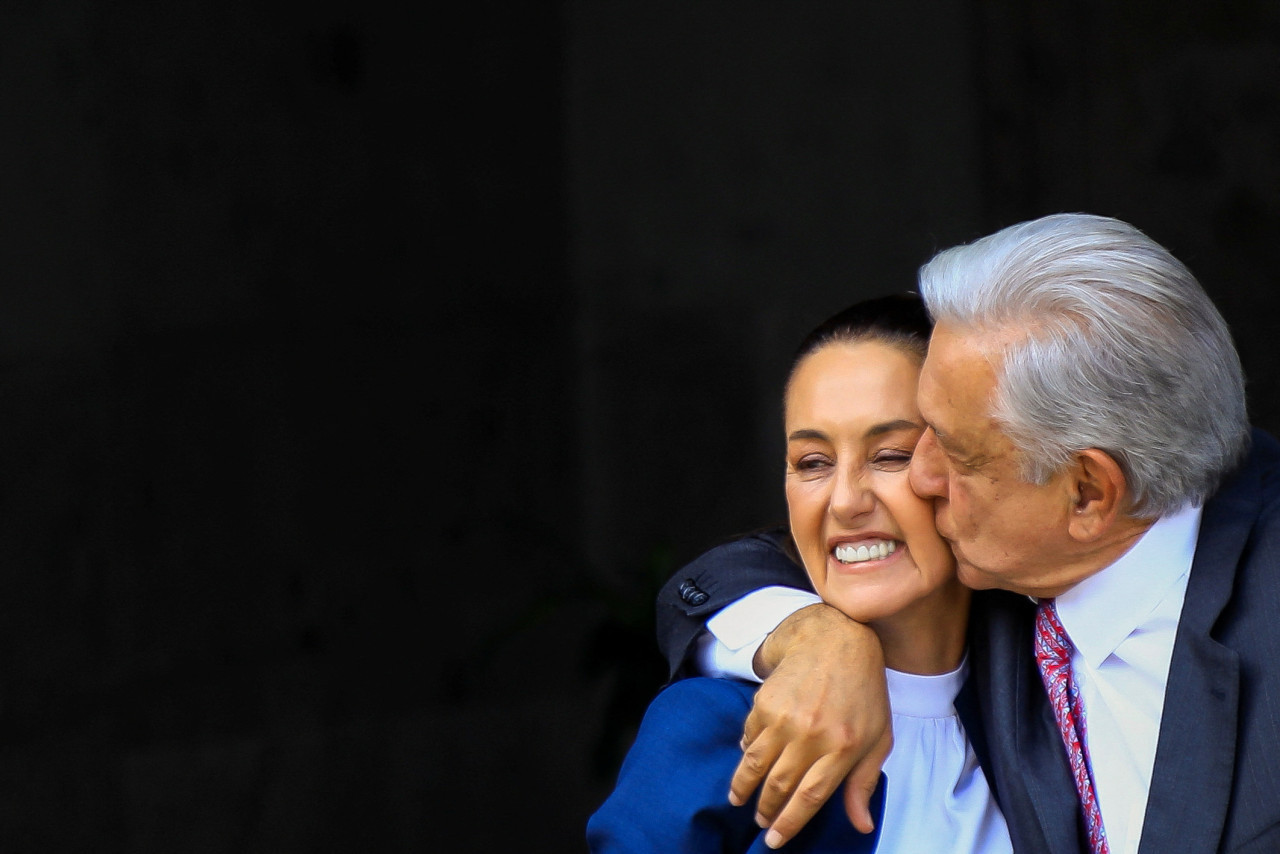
{"points": [[1123, 351]]}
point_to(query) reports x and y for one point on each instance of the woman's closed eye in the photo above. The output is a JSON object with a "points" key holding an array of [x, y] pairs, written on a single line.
{"points": [[892, 459], [811, 463]]}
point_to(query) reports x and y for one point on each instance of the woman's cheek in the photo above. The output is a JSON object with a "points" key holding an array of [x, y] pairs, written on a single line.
{"points": [[914, 516]]}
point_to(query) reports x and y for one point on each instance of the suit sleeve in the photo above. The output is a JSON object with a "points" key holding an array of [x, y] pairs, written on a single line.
{"points": [[672, 791], [716, 578]]}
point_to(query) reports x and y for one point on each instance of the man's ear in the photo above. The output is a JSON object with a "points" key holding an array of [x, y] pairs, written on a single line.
{"points": [[1100, 494]]}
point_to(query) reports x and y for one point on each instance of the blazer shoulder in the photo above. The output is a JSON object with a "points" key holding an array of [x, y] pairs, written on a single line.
{"points": [[767, 547], [1245, 509]]}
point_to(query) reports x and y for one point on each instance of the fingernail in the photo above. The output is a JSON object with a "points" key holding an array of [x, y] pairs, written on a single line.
{"points": [[760, 822], [773, 839], [735, 800]]}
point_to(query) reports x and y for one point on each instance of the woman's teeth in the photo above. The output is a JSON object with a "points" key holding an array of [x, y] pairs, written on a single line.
{"points": [[866, 551]]}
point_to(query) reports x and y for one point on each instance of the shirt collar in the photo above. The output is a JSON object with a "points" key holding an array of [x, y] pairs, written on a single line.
{"points": [[1105, 608]]}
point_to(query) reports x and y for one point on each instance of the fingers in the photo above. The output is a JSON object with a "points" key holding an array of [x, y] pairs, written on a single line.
{"points": [[776, 770], [819, 715], [780, 785], [795, 775], [759, 753], [752, 727], [857, 798], [790, 795], [810, 793], [862, 782]]}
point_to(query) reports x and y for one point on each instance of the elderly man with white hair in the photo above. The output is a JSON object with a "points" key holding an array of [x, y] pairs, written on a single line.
{"points": [[1092, 466]]}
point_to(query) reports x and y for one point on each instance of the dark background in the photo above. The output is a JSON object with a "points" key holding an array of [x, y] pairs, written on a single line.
{"points": [[365, 367]]}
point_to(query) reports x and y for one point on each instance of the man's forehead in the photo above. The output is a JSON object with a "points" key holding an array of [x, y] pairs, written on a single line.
{"points": [[958, 379], [961, 363], [953, 342]]}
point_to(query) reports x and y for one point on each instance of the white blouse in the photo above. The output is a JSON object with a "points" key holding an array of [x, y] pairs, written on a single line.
{"points": [[937, 798]]}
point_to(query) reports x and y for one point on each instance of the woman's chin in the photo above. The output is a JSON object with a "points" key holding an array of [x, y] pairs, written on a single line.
{"points": [[863, 603]]}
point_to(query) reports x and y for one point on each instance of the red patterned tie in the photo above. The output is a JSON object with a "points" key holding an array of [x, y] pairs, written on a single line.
{"points": [[1053, 655]]}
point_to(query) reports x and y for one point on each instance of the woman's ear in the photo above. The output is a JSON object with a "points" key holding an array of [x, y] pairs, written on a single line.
{"points": [[1100, 494]]}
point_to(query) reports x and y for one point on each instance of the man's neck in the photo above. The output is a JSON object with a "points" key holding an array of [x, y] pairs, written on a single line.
{"points": [[1122, 537]]}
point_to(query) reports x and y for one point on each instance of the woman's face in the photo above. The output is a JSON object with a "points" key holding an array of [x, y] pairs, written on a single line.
{"points": [[867, 541]]}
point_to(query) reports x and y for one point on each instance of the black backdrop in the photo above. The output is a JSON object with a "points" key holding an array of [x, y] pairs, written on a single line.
{"points": [[364, 368]]}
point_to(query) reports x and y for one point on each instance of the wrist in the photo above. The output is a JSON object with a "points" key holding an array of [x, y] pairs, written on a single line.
{"points": [[817, 628]]}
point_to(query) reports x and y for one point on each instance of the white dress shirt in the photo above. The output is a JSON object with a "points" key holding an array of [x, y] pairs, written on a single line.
{"points": [[1122, 622]]}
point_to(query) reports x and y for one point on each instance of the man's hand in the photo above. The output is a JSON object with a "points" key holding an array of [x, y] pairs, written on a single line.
{"points": [[821, 717]]}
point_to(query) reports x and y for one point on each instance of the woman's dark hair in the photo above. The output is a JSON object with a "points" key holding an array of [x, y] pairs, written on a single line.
{"points": [[897, 319]]}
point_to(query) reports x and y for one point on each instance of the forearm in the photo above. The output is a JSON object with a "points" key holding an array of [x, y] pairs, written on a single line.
{"points": [[713, 581]]}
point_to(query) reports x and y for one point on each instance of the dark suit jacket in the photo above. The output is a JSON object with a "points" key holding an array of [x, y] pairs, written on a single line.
{"points": [[1216, 780], [673, 790]]}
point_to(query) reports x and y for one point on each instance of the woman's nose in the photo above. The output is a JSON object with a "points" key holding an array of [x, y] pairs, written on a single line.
{"points": [[928, 470], [851, 496]]}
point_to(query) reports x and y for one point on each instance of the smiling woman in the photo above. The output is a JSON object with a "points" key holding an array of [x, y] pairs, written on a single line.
{"points": [[870, 549], [867, 541]]}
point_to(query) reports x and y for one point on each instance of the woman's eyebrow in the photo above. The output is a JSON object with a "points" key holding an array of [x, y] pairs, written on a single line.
{"points": [[872, 432], [893, 427]]}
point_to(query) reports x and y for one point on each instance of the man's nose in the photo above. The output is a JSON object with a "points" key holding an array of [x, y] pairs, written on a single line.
{"points": [[928, 469]]}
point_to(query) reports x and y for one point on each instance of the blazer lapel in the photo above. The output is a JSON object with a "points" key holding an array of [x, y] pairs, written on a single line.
{"points": [[1195, 752], [1028, 763]]}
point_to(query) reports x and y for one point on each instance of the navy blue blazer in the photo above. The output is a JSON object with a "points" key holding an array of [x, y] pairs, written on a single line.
{"points": [[1216, 780], [673, 790]]}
